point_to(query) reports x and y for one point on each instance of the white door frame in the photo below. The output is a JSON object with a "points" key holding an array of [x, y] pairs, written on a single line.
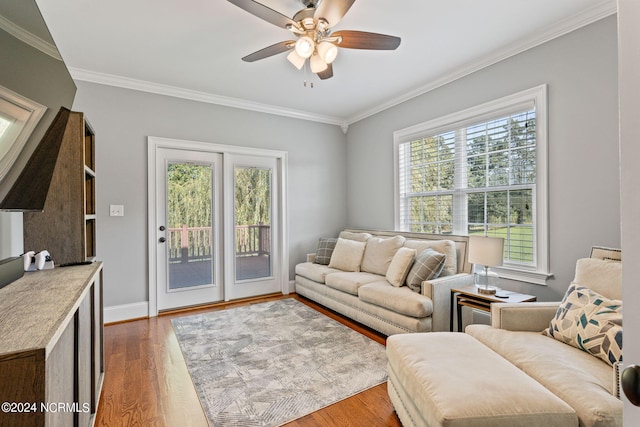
{"points": [[153, 143]]}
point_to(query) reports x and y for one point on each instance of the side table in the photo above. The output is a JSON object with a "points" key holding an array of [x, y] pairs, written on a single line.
{"points": [[470, 297]]}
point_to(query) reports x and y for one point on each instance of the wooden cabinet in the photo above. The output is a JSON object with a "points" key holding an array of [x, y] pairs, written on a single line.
{"points": [[51, 347], [67, 225]]}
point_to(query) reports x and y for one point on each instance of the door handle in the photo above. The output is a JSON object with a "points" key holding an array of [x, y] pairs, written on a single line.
{"points": [[162, 240], [162, 228], [631, 383]]}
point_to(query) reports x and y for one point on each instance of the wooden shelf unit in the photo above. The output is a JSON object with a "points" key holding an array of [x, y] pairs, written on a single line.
{"points": [[90, 191], [67, 225]]}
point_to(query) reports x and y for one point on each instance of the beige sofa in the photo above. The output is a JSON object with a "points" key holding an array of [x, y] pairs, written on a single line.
{"points": [[367, 296], [512, 374]]}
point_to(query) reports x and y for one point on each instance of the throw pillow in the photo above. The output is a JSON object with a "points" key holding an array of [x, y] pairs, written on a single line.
{"points": [[604, 277], [347, 255], [446, 247], [325, 250], [427, 266], [379, 252], [590, 322], [400, 265]]}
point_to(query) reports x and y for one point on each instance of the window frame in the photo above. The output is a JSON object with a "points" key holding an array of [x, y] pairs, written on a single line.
{"points": [[536, 96], [23, 114]]}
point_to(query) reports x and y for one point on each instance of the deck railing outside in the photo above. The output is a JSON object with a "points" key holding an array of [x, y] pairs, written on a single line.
{"points": [[189, 244]]}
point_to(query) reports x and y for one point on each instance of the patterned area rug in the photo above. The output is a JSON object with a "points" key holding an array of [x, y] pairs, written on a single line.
{"points": [[270, 363]]}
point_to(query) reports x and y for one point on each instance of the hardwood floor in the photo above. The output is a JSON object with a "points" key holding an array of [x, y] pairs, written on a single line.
{"points": [[146, 382]]}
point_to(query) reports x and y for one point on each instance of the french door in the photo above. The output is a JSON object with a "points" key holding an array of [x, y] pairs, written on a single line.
{"points": [[215, 225], [189, 228], [251, 234]]}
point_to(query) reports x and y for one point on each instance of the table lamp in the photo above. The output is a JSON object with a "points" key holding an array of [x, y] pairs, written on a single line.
{"points": [[486, 251]]}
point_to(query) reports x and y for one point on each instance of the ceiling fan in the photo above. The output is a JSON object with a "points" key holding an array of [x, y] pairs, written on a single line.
{"points": [[312, 27]]}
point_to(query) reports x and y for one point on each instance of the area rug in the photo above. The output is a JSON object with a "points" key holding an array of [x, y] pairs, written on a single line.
{"points": [[267, 364]]}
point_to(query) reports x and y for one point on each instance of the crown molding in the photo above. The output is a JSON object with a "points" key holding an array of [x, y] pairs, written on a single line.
{"points": [[29, 38], [588, 16], [177, 92]]}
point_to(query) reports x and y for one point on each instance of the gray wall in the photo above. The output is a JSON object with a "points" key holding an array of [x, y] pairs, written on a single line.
{"points": [[123, 119], [580, 70]]}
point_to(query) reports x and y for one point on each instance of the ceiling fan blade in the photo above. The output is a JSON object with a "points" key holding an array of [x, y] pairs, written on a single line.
{"points": [[364, 40], [333, 10], [264, 12], [274, 49], [326, 74]]}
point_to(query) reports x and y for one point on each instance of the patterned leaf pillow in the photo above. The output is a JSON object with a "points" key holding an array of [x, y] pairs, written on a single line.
{"points": [[325, 250], [590, 322]]}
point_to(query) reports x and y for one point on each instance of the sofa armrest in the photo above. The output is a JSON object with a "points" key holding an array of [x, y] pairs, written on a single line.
{"points": [[439, 290], [311, 257], [524, 316]]}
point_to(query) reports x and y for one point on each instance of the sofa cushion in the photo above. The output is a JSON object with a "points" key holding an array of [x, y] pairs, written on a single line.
{"points": [[400, 266], [350, 281], [358, 237], [379, 252], [604, 277], [428, 265], [590, 322], [347, 255], [401, 300], [446, 247], [315, 272], [576, 377], [325, 250]]}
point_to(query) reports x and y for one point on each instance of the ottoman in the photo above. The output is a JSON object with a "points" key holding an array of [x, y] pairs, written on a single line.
{"points": [[452, 379]]}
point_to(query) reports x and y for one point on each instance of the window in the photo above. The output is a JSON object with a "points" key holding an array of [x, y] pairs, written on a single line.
{"points": [[18, 118], [481, 171]]}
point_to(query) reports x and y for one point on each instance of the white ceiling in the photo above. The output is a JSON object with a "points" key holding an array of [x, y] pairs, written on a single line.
{"points": [[192, 48]]}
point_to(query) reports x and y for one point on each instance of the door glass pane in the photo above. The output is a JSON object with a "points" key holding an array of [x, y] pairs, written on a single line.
{"points": [[253, 222], [189, 237]]}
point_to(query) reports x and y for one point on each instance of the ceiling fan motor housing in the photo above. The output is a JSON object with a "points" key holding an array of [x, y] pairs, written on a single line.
{"points": [[305, 18]]}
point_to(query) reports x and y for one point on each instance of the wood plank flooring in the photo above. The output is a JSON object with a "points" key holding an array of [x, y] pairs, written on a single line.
{"points": [[146, 382]]}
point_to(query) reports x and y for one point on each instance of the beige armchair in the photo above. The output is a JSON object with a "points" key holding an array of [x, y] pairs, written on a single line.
{"points": [[528, 378], [587, 383], [606, 279]]}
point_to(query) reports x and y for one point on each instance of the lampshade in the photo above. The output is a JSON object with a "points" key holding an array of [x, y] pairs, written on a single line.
{"points": [[327, 51], [317, 64], [296, 60], [485, 250], [305, 46]]}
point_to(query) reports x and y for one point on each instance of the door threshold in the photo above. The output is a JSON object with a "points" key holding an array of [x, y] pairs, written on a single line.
{"points": [[222, 304]]}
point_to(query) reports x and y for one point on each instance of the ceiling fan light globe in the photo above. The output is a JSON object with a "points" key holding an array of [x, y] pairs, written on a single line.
{"points": [[317, 64], [305, 47], [296, 60], [327, 51]]}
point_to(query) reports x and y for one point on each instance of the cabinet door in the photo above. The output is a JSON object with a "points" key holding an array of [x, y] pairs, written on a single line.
{"points": [[97, 355], [22, 380], [84, 352], [60, 379]]}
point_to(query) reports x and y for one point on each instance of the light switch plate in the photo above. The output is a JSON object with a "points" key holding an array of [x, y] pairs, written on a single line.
{"points": [[116, 210]]}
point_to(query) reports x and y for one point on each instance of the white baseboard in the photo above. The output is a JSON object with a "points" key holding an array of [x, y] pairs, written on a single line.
{"points": [[119, 313], [292, 286]]}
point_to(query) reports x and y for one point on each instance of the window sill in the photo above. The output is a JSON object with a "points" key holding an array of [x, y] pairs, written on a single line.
{"points": [[535, 277]]}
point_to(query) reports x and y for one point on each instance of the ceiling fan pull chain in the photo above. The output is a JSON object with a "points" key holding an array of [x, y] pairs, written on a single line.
{"points": [[306, 73]]}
